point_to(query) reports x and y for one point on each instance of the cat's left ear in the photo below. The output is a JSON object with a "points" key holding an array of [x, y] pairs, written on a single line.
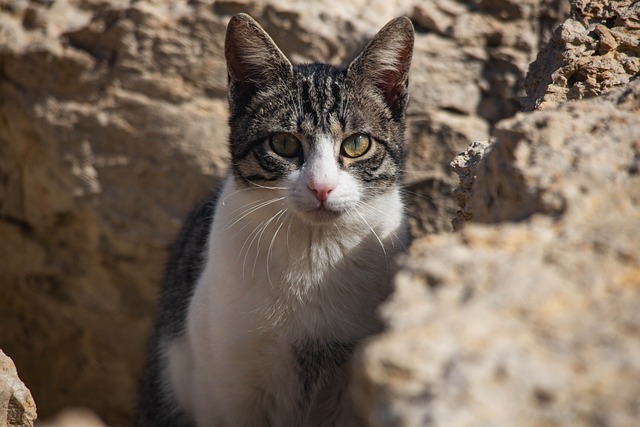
{"points": [[385, 63]]}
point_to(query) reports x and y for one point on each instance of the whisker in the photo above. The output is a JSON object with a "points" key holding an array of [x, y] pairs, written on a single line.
{"points": [[386, 257], [255, 260], [393, 233], [252, 210], [289, 232], [269, 252], [373, 231], [248, 205], [265, 187], [370, 206], [253, 233], [242, 190]]}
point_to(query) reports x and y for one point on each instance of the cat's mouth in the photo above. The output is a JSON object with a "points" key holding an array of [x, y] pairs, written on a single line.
{"points": [[322, 214]]}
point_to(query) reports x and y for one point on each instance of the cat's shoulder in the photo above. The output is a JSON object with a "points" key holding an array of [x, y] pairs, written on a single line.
{"points": [[185, 264]]}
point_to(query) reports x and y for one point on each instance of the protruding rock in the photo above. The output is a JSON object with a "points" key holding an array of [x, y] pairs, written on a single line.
{"points": [[113, 123], [533, 319], [595, 51], [17, 408]]}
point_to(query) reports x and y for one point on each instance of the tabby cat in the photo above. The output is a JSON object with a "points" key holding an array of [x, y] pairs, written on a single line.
{"points": [[276, 277]]}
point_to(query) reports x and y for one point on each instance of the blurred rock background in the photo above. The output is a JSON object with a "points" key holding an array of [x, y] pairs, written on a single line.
{"points": [[113, 123]]}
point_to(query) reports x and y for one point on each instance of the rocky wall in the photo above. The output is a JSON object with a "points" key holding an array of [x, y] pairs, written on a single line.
{"points": [[17, 408], [528, 314], [588, 55], [113, 123], [530, 319]]}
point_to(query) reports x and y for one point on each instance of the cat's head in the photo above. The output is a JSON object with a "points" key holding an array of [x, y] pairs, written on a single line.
{"points": [[328, 138]]}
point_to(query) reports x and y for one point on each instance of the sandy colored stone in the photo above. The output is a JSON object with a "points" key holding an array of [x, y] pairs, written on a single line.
{"points": [[591, 53], [554, 160], [113, 123], [17, 408], [465, 165], [531, 320]]}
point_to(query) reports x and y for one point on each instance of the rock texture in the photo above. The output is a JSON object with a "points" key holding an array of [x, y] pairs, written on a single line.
{"points": [[465, 165], [17, 408], [113, 122], [595, 51], [532, 322], [528, 315]]}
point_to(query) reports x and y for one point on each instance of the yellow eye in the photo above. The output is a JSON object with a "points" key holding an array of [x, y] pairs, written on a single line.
{"points": [[356, 145], [285, 145]]}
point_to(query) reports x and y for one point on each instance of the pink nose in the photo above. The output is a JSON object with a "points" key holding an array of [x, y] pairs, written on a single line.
{"points": [[321, 191]]}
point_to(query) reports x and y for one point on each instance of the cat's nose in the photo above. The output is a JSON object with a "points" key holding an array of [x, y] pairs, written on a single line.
{"points": [[321, 191]]}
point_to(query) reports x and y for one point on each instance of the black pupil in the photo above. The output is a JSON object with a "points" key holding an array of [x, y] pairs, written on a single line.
{"points": [[286, 146]]}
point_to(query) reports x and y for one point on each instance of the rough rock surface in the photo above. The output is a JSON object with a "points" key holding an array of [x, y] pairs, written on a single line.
{"points": [[529, 319], [589, 54], [558, 159], [17, 408], [113, 122], [465, 165], [532, 321]]}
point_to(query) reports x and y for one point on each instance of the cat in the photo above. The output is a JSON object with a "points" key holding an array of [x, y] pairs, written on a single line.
{"points": [[276, 277]]}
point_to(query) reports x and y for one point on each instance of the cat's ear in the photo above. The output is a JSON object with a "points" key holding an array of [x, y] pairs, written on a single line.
{"points": [[385, 63], [253, 59]]}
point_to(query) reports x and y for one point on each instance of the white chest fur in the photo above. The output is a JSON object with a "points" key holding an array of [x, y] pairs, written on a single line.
{"points": [[272, 281]]}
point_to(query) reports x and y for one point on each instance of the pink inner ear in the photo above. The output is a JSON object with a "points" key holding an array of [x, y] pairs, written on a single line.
{"points": [[393, 83], [391, 87]]}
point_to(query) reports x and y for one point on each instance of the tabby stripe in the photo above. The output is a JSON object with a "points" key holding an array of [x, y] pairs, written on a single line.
{"points": [[261, 178], [249, 148], [315, 360], [307, 106]]}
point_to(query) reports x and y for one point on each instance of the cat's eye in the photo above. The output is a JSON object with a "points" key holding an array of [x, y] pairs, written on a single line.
{"points": [[285, 145], [356, 145]]}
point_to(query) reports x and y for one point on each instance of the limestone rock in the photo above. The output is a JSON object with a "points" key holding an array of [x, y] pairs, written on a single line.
{"points": [[555, 161], [113, 123], [468, 67], [531, 322], [17, 408], [465, 165], [589, 54]]}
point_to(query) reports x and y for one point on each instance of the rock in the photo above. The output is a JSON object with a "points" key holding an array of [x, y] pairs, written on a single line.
{"points": [[113, 123], [17, 408], [556, 161], [531, 319], [465, 165], [589, 54], [467, 73]]}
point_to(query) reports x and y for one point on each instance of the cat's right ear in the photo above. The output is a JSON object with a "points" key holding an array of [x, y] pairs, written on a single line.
{"points": [[253, 59]]}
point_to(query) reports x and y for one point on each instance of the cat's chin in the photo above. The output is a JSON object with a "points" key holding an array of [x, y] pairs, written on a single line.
{"points": [[320, 215]]}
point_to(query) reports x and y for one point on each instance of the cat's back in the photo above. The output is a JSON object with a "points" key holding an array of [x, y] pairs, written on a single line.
{"points": [[182, 270], [184, 266]]}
